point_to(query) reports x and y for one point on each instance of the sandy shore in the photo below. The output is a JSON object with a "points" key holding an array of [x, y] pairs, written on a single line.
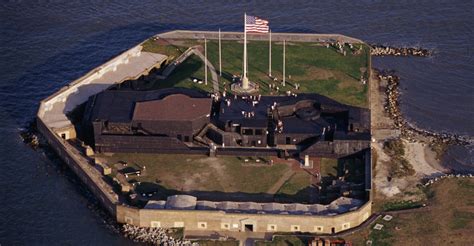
{"points": [[419, 154]]}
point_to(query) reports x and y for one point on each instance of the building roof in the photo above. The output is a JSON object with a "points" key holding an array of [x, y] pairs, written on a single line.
{"points": [[119, 105], [173, 107], [294, 120]]}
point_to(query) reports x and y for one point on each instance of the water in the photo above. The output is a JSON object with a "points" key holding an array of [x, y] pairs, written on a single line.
{"points": [[46, 45]]}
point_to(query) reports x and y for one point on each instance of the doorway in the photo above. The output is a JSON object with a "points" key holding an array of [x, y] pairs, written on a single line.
{"points": [[248, 227]]}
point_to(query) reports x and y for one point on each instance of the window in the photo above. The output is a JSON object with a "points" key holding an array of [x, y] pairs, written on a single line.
{"points": [[258, 132], [346, 226], [318, 229], [271, 227], [225, 226], [288, 140], [295, 228], [63, 135], [186, 138], [202, 225], [179, 137]]}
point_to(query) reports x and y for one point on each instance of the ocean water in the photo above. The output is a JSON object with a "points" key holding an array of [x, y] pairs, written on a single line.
{"points": [[46, 44]]}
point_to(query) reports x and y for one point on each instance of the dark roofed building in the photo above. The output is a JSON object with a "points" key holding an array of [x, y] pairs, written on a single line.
{"points": [[147, 121], [183, 120], [286, 122]]}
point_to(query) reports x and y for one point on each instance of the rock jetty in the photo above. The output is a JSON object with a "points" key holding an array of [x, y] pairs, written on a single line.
{"points": [[409, 131], [152, 236], [381, 50], [29, 135], [431, 181]]}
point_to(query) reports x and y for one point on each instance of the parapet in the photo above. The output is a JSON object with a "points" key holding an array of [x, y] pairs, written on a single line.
{"points": [[187, 202]]}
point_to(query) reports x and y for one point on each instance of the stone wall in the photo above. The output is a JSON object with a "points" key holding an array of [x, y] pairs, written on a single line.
{"points": [[295, 37], [87, 173], [222, 221], [347, 147]]}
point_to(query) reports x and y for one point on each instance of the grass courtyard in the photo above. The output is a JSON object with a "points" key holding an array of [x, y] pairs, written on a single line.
{"points": [[224, 178], [314, 67]]}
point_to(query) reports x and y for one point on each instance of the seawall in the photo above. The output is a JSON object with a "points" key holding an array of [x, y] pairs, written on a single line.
{"points": [[292, 37], [221, 221]]}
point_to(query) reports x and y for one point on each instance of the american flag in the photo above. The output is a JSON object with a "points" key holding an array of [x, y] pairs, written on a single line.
{"points": [[255, 24]]}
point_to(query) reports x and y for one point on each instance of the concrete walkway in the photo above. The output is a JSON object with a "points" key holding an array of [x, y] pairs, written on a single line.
{"points": [[194, 51], [215, 83]]}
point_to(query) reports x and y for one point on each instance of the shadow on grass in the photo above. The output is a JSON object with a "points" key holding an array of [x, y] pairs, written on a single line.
{"points": [[159, 192]]}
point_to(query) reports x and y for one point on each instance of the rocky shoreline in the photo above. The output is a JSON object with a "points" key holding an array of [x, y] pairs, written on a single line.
{"points": [[382, 50], [408, 130], [152, 236], [431, 181], [29, 135]]}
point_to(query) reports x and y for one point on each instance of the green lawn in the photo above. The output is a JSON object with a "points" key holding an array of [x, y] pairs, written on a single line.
{"points": [[153, 46], [285, 241], [316, 68], [200, 173], [181, 77], [217, 243], [449, 219], [295, 189], [329, 167]]}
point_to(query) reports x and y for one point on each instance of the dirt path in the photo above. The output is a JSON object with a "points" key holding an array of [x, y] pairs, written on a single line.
{"points": [[276, 187]]}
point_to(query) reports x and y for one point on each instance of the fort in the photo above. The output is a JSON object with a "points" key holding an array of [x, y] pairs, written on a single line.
{"points": [[115, 126]]}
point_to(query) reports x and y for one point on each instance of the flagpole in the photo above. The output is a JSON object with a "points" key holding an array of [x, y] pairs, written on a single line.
{"points": [[284, 65], [220, 56], [205, 61], [245, 82], [270, 53]]}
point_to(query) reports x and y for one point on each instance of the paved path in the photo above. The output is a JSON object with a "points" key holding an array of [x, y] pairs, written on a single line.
{"points": [[170, 68], [194, 51], [215, 83]]}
